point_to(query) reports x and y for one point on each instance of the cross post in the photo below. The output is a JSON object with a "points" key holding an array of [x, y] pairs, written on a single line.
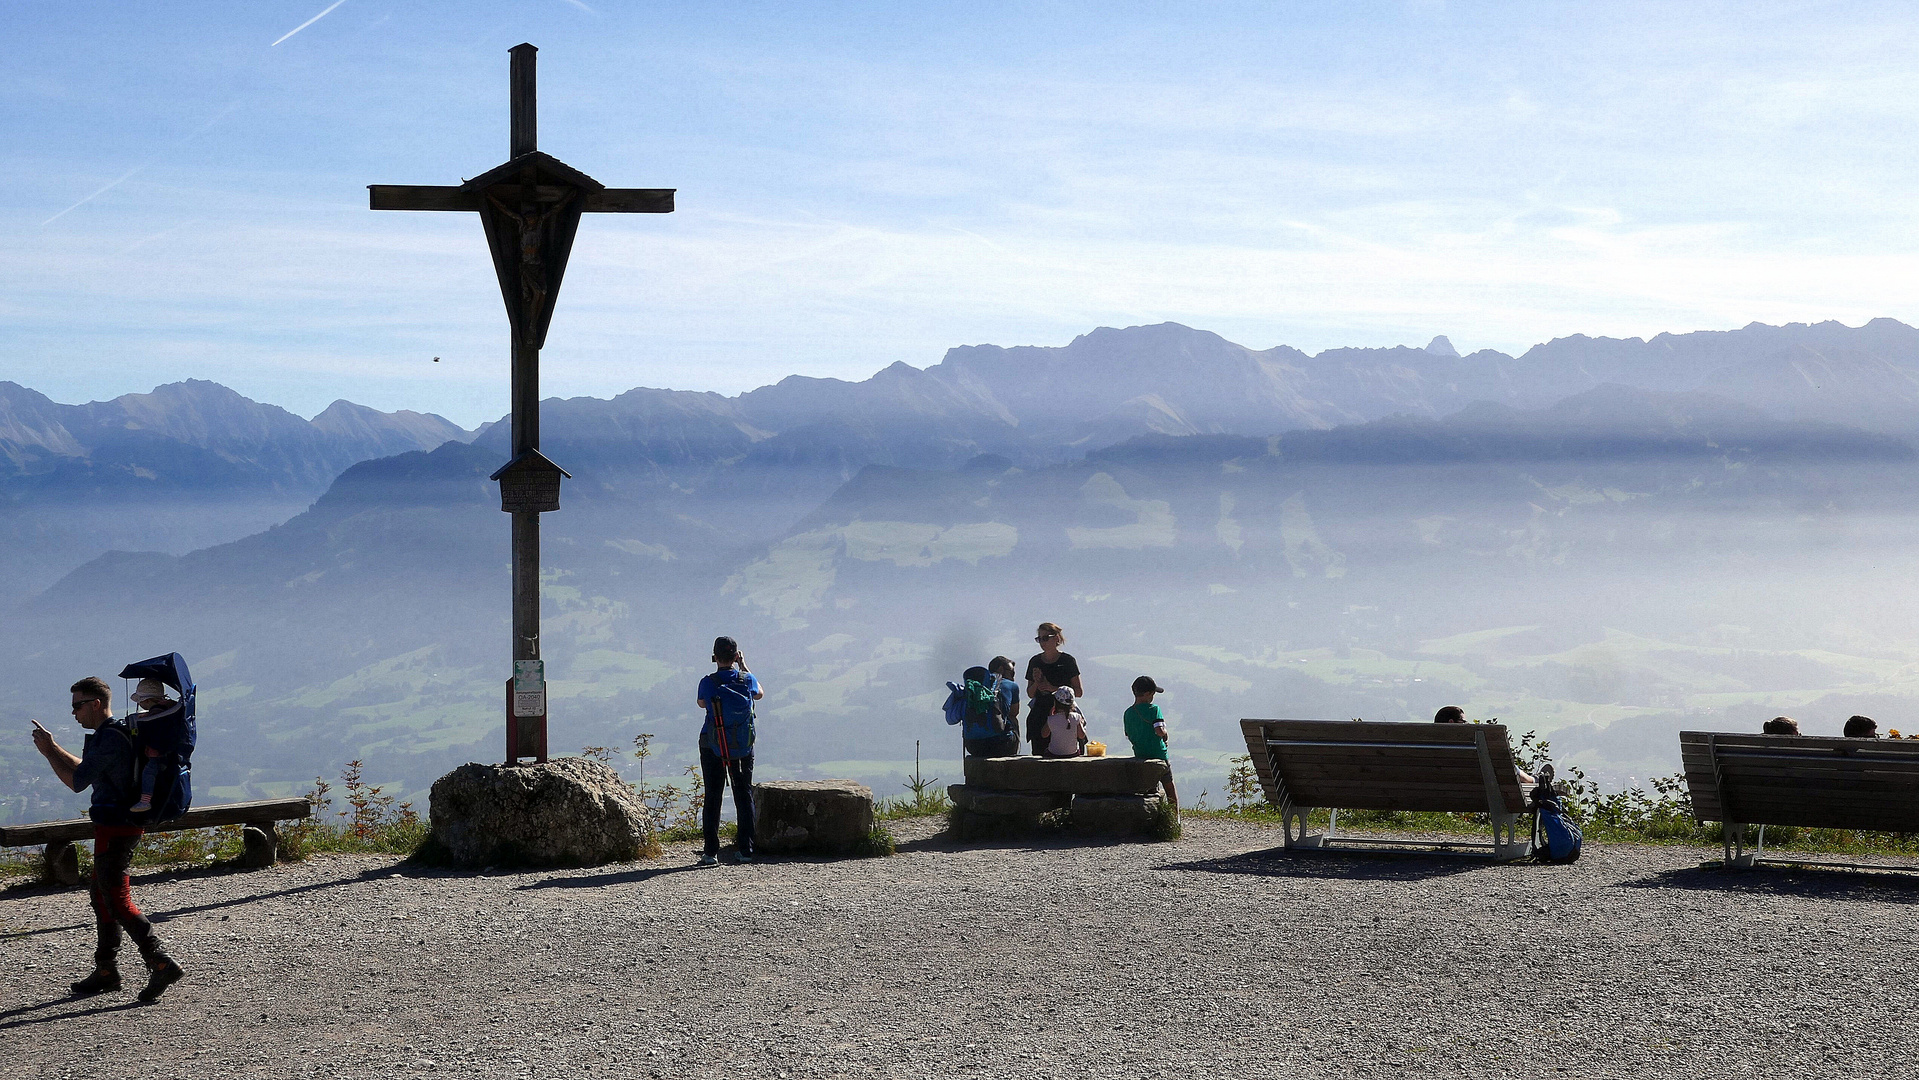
{"points": [[530, 208]]}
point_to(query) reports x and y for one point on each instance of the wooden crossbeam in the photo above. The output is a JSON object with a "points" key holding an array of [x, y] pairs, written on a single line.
{"points": [[427, 197]]}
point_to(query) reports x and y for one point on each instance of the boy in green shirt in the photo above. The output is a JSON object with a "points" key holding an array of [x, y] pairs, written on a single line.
{"points": [[1146, 727]]}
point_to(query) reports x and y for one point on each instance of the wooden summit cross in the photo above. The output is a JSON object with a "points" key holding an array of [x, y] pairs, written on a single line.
{"points": [[531, 208]]}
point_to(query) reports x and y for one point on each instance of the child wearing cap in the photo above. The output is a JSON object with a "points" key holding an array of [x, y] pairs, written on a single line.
{"points": [[1146, 728], [1066, 727], [151, 696]]}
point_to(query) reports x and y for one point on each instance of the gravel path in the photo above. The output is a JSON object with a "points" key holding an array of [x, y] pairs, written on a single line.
{"points": [[1218, 956]]}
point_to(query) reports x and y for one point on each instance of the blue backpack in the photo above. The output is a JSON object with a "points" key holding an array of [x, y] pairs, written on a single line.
{"points": [[729, 716], [1559, 839], [976, 704], [172, 733]]}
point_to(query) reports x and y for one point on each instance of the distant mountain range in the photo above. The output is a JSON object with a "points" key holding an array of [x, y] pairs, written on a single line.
{"points": [[188, 465], [1274, 531]]}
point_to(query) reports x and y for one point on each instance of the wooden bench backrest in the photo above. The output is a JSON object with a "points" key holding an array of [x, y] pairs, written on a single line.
{"points": [[1806, 780], [1345, 765]]}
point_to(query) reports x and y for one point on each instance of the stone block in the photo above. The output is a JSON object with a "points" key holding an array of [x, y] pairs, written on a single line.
{"points": [[1079, 776], [259, 845], [829, 817], [1114, 814], [61, 864], [1024, 804], [566, 812]]}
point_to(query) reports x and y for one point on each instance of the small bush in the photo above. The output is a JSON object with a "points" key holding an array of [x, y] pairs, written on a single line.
{"points": [[1165, 824], [877, 844]]}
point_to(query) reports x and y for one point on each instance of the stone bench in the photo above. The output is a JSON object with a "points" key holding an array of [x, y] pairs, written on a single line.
{"points": [[826, 817], [1103, 794], [260, 843]]}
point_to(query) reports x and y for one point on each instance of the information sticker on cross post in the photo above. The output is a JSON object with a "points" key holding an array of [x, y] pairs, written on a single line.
{"points": [[529, 688]]}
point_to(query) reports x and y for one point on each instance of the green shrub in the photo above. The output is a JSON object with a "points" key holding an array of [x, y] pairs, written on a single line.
{"points": [[877, 844]]}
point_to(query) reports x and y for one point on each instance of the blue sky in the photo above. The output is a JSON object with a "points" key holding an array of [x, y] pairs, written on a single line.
{"points": [[867, 183]]}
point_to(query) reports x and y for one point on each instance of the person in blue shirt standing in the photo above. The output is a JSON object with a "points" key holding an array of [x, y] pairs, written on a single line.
{"points": [[726, 745]]}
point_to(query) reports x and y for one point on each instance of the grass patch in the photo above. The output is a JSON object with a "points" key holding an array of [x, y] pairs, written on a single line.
{"points": [[1165, 826], [877, 844]]}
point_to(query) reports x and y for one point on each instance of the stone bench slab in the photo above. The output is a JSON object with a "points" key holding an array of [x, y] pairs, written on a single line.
{"points": [[824, 816], [1021, 804], [1079, 776]]}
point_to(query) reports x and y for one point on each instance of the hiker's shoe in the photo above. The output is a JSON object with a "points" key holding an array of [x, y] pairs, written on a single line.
{"points": [[101, 981], [708, 859], [144, 806], [743, 857], [164, 974]]}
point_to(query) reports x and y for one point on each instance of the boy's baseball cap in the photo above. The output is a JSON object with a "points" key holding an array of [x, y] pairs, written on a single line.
{"points": [[1145, 683], [1064, 695], [725, 648]]}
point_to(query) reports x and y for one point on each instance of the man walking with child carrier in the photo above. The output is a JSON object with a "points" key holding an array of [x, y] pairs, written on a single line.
{"points": [[108, 764], [726, 745]]}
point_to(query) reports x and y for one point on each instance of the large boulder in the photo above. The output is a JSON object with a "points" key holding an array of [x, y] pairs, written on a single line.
{"points": [[568, 812], [829, 817], [1080, 775]]}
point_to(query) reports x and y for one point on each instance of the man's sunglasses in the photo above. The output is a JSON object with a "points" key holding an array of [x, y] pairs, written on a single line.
{"points": [[78, 705]]}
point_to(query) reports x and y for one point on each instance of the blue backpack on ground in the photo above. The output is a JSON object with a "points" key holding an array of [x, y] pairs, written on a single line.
{"points": [[1559, 839], [171, 733], [729, 715], [976, 704]]}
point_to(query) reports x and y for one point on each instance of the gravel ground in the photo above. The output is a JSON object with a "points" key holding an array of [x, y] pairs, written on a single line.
{"points": [[1219, 955]]}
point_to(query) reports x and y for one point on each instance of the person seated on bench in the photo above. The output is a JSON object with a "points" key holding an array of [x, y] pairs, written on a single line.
{"points": [[1066, 728], [1862, 727], [1453, 714], [1780, 725]]}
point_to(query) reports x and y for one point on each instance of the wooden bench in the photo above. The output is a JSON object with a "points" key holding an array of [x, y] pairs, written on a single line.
{"points": [[259, 839], [1342, 765], [1810, 781]]}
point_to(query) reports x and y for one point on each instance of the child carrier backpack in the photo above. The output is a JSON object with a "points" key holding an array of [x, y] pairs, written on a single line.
{"points": [[975, 703], [729, 716], [1558, 838], [171, 733]]}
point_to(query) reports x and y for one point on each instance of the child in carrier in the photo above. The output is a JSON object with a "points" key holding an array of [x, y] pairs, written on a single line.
{"points": [[1066, 728], [151, 696]]}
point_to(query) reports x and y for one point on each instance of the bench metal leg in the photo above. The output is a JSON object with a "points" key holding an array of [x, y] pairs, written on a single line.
{"points": [[1508, 844], [61, 865], [1292, 823], [1734, 843], [260, 845]]}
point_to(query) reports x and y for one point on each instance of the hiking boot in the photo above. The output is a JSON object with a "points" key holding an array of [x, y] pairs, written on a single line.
{"points": [[102, 980], [743, 857], [708, 859], [164, 974]]}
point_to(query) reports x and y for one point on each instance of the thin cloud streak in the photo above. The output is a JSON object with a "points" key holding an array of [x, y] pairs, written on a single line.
{"points": [[309, 22], [124, 177]]}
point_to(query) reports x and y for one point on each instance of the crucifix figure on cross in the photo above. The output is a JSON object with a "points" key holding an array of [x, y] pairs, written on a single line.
{"points": [[530, 208]]}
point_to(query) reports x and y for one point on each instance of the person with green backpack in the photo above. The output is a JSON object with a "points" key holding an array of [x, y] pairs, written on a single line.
{"points": [[726, 746], [985, 706]]}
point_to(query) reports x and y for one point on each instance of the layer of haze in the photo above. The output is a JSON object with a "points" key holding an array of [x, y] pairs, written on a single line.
{"points": [[861, 184]]}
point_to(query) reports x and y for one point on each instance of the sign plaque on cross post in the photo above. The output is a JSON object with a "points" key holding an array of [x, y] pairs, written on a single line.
{"points": [[530, 207]]}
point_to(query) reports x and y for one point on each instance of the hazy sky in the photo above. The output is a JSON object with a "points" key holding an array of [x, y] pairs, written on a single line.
{"points": [[865, 183]]}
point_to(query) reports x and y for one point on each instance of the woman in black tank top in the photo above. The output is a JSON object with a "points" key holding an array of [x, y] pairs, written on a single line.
{"points": [[1045, 673]]}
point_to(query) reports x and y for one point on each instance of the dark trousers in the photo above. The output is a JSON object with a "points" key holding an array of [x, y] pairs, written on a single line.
{"points": [[1006, 745], [715, 773], [112, 895]]}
